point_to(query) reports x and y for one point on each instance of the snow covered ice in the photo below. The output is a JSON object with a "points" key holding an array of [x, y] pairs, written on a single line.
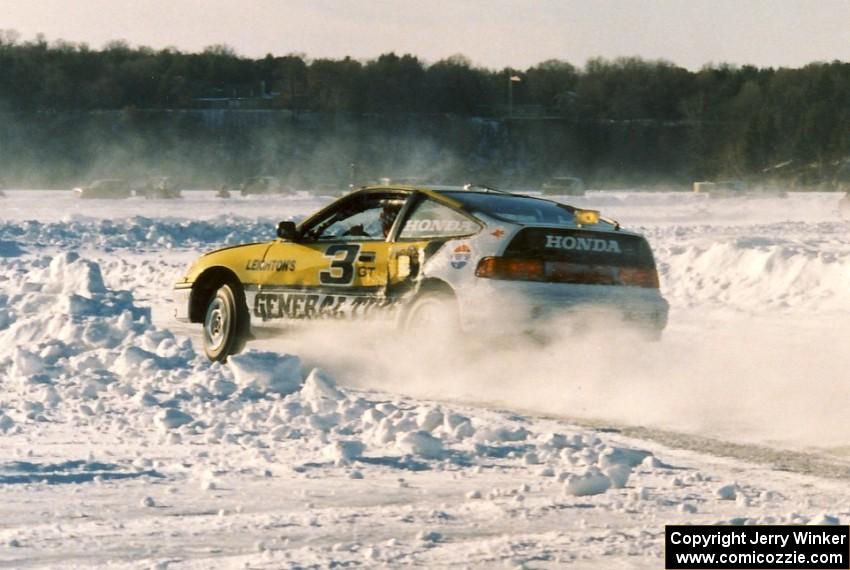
{"points": [[123, 447]]}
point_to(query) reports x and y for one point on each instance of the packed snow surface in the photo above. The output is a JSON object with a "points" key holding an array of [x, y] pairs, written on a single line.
{"points": [[123, 447]]}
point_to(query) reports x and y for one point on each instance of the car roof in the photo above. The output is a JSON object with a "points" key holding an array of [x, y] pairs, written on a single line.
{"points": [[435, 192], [439, 192]]}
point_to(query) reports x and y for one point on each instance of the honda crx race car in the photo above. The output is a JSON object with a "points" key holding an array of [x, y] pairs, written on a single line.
{"points": [[471, 258]]}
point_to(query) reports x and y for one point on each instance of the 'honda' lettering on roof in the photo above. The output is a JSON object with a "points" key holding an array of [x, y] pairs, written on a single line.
{"points": [[582, 243]]}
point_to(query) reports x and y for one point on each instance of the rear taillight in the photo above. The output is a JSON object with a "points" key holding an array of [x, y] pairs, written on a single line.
{"points": [[519, 269], [639, 277], [511, 268]]}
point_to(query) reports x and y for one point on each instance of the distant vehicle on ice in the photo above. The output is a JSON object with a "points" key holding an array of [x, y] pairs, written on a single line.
{"points": [[159, 187], [725, 189], [263, 185], [563, 186], [109, 188], [735, 189]]}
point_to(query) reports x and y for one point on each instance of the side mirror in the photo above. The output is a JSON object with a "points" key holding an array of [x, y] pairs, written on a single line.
{"points": [[287, 231]]}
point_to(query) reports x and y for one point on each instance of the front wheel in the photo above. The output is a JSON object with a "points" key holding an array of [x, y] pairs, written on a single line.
{"points": [[225, 325]]}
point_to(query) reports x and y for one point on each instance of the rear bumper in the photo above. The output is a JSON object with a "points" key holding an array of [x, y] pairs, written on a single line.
{"points": [[516, 306], [182, 299]]}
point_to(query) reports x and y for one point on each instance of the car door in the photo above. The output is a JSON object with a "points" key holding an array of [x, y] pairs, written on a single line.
{"points": [[337, 268]]}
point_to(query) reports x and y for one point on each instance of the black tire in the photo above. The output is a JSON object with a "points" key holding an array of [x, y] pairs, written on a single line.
{"points": [[433, 312], [225, 325]]}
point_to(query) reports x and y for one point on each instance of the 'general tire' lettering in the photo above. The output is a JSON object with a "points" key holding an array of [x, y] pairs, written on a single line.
{"points": [[273, 306]]}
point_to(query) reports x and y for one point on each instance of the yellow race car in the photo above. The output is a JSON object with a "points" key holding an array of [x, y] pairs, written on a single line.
{"points": [[417, 256]]}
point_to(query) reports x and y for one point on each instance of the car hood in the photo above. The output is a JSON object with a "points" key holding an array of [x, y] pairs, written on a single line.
{"points": [[231, 247]]}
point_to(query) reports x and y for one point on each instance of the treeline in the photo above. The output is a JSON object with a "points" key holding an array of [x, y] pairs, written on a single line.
{"points": [[738, 120]]}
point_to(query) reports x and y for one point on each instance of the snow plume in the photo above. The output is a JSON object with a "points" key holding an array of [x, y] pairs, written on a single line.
{"points": [[209, 148], [753, 382]]}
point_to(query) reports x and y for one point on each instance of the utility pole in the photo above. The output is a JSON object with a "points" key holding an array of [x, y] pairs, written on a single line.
{"points": [[511, 80]]}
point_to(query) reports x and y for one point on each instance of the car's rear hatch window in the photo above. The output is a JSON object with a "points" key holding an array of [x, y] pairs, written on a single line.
{"points": [[582, 246], [516, 209], [574, 256]]}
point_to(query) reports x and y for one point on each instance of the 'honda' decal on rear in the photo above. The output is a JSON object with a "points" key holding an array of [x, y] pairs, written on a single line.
{"points": [[582, 243]]}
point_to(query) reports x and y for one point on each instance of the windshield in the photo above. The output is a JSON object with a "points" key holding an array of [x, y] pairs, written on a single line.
{"points": [[512, 208]]}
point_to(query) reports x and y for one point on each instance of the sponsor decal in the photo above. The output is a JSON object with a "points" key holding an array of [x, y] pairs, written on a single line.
{"points": [[582, 243], [269, 306], [497, 233], [460, 256], [440, 226], [270, 265], [407, 263]]}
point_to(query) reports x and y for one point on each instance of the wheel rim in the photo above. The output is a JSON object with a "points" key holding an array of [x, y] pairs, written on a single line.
{"points": [[429, 313], [215, 324]]}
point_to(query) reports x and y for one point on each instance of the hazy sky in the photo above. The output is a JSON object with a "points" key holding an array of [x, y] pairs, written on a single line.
{"points": [[493, 33]]}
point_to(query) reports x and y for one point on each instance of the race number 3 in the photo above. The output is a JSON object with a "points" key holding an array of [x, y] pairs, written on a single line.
{"points": [[342, 258]]}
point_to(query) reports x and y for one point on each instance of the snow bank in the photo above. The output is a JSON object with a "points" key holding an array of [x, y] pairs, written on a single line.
{"points": [[591, 482], [10, 249], [266, 372], [782, 266]]}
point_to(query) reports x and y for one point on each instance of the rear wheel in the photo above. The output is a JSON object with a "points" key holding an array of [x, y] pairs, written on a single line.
{"points": [[433, 312], [225, 324]]}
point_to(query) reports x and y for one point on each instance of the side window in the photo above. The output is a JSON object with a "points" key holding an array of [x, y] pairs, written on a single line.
{"points": [[366, 218], [431, 220]]}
